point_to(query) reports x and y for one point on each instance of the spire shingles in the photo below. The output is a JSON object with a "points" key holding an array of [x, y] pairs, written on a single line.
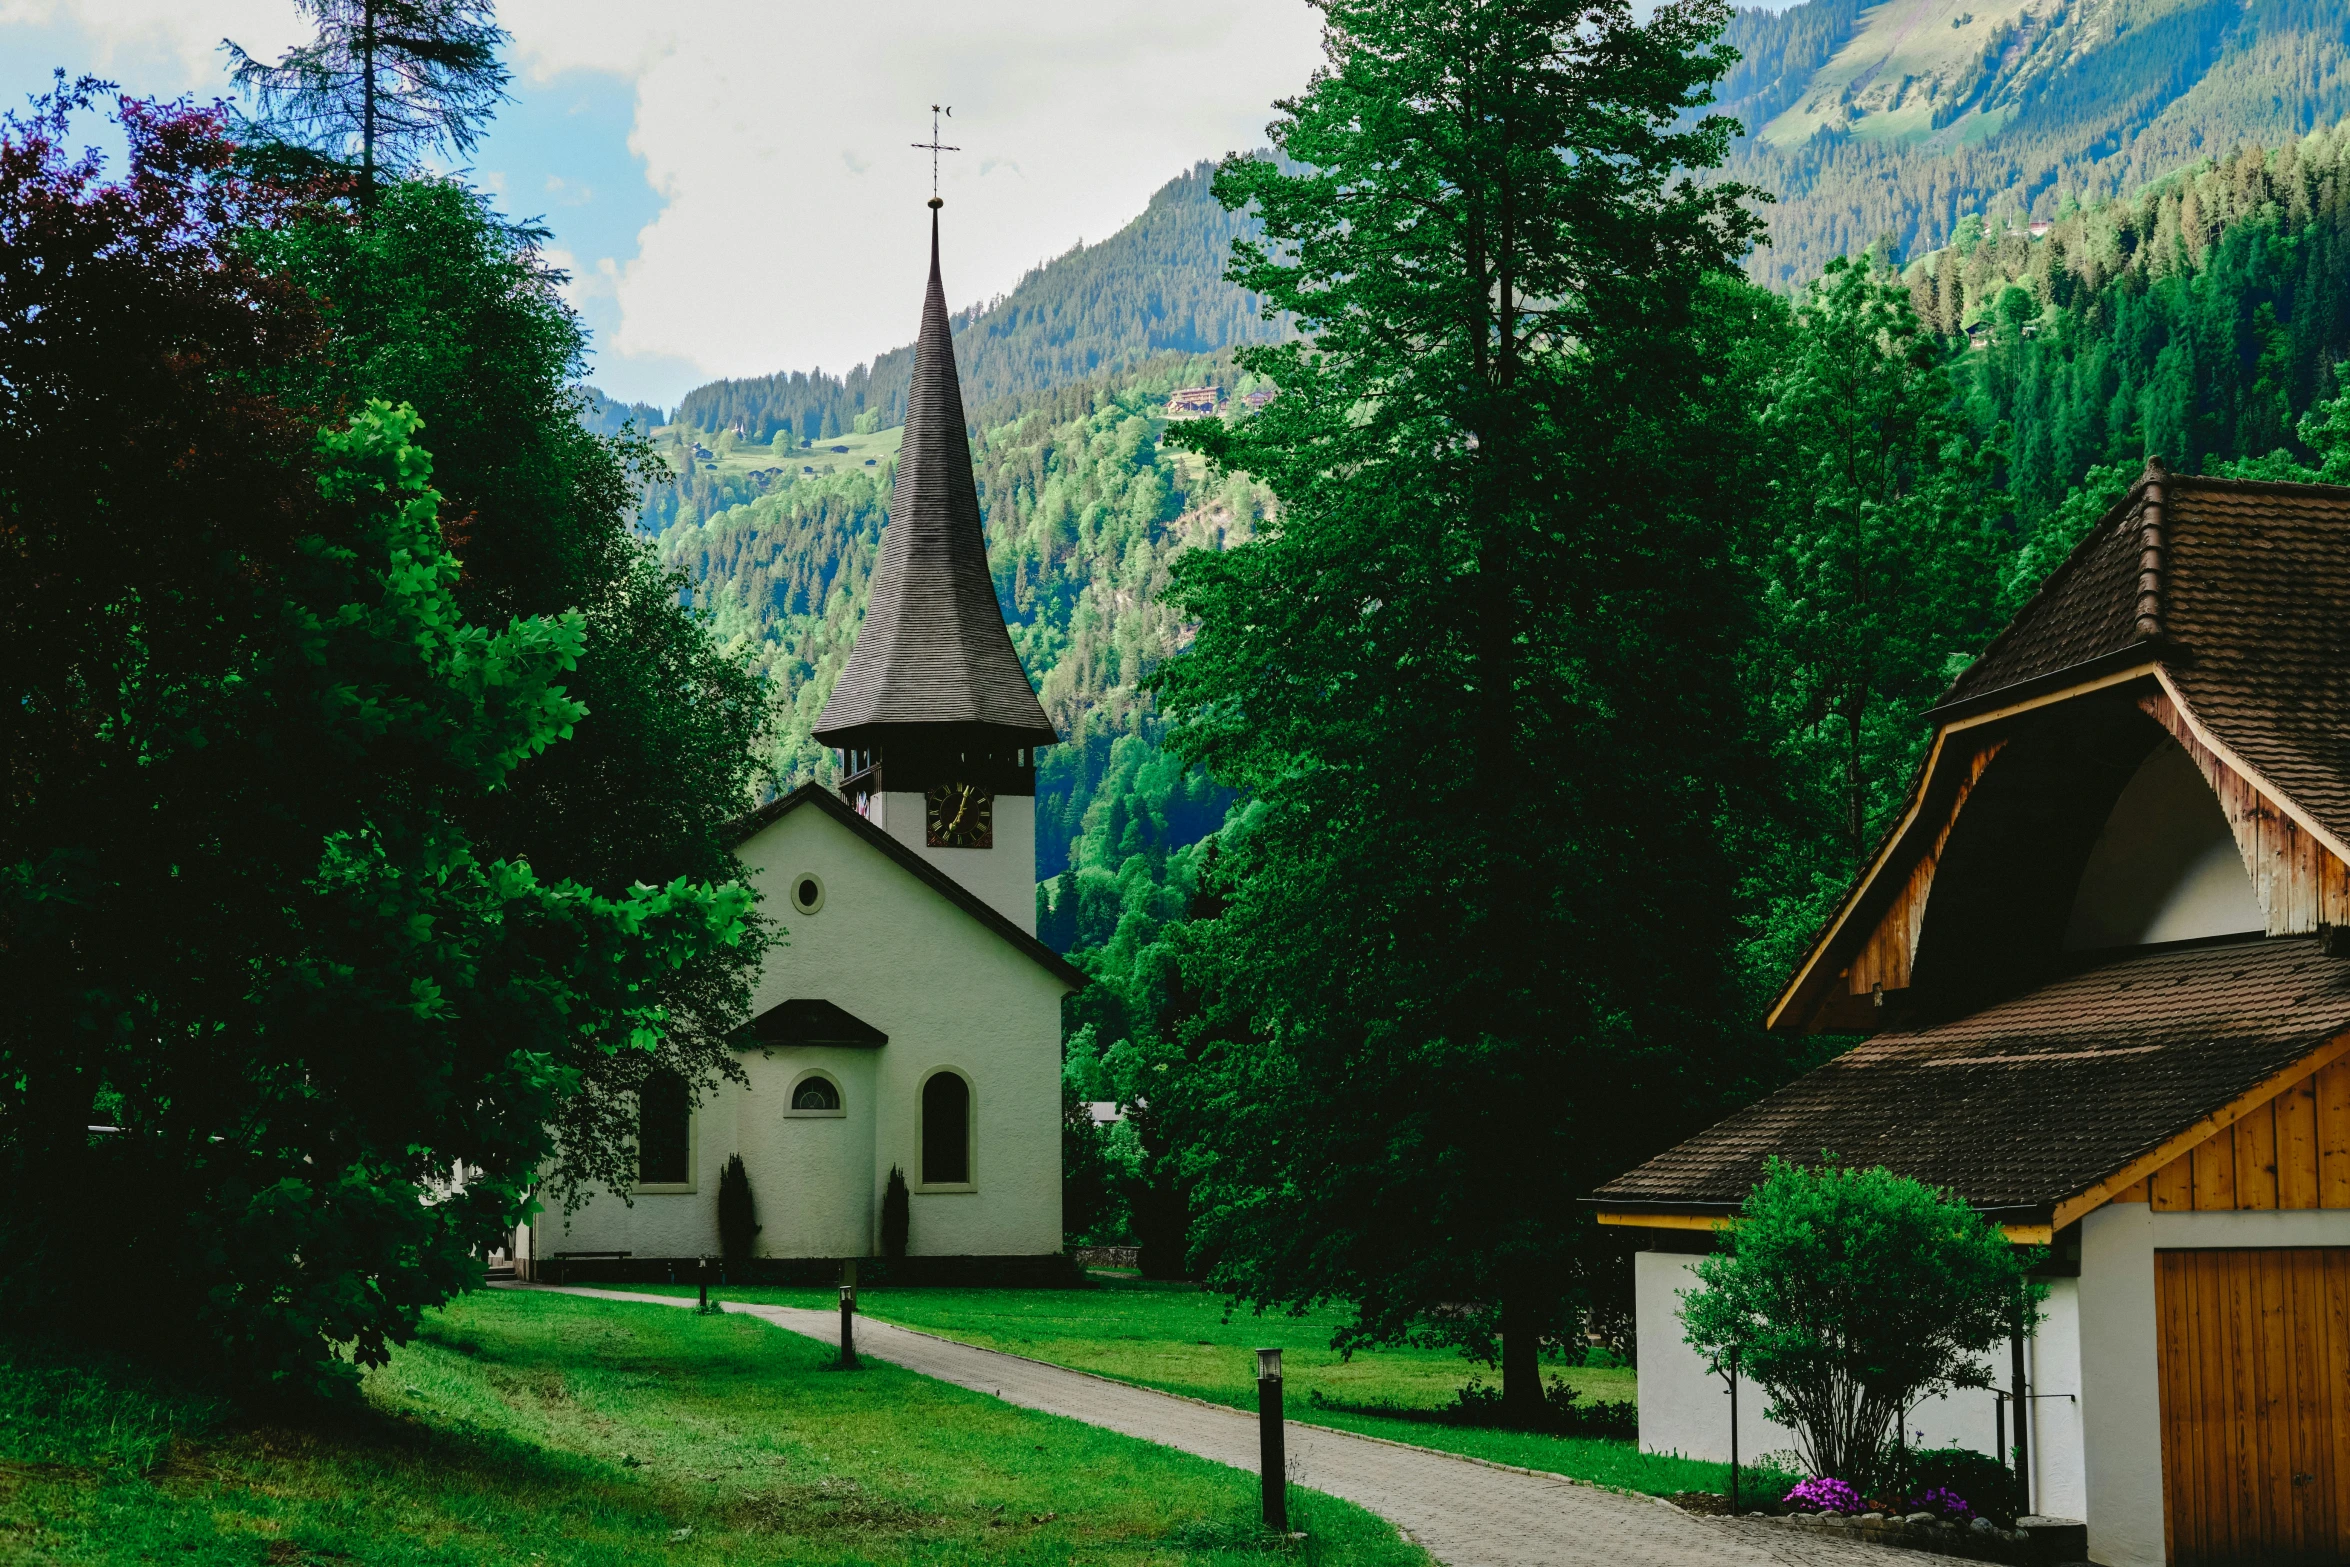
{"points": [[933, 649]]}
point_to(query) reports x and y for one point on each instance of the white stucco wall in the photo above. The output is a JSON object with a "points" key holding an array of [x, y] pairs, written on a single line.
{"points": [[2165, 866], [2120, 1392], [949, 993], [1003, 876], [1684, 1408]]}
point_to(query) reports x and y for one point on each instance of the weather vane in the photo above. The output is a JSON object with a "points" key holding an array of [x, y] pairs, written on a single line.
{"points": [[934, 147]]}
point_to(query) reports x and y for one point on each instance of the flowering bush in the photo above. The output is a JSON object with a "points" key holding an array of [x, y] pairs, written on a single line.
{"points": [[1943, 1503], [1823, 1494]]}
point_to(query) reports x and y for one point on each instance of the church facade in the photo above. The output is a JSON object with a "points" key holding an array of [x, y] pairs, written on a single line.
{"points": [[910, 1021]]}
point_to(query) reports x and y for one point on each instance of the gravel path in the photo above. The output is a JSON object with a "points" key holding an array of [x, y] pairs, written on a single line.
{"points": [[1466, 1513]]}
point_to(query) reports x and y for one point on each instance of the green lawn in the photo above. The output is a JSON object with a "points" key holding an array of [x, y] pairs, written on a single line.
{"points": [[880, 446], [1177, 1338], [550, 1429]]}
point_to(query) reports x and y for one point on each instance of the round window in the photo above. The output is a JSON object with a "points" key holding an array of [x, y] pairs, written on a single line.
{"points": [[807, 892], [815, 1093]]}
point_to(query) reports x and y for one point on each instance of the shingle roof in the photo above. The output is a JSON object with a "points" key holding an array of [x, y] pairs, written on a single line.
{"points": [[2250, 618], [2257, 597], [933, 648], [2035, 1099]]}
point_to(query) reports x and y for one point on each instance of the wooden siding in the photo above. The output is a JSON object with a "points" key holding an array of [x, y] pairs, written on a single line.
{"points": [[2299, 882], [2254, 1373], [2292, 1152], [1884, 960]]}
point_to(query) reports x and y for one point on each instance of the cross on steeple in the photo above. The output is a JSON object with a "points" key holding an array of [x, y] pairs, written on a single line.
{"points": [[934, 147]]}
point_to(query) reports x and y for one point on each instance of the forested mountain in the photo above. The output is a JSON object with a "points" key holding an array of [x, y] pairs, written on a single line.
{"points": [[1154, 287], [1903, 118], [1083, 509], [2195, 321], [606, 415]]}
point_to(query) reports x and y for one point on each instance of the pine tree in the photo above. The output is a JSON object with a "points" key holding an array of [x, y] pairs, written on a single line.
{"points": [[395, 78]]}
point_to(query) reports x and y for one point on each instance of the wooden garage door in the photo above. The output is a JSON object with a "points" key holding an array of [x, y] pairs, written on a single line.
{"points": [[2255, 1357]]}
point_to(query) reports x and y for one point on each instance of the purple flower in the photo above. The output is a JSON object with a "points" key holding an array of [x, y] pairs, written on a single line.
{"points": [[1824, 1494], [1943, 1502]]}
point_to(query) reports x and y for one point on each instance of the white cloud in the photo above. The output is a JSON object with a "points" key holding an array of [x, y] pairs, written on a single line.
{"points": [[790, 229]]}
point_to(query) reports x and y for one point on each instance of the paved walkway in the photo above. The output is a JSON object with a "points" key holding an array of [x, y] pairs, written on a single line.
{"points": [[1467, 1514]]}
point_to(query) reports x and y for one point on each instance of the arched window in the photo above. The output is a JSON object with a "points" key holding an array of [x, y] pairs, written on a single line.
{"points": [[816, 1093], [946, 1130], [664, 1121]]}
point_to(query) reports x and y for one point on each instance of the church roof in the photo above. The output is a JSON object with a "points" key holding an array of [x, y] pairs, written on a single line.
{"points": [[2036, 1099], [933, 648], [2238, 591], [914, 865]]}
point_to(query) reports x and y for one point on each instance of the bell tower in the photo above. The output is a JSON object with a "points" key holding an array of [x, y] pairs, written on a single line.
{"points": [[935, 721]]}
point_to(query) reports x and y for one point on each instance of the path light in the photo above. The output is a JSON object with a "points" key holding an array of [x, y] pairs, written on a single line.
{"points": [[848, 1334], [1272, 1467]]}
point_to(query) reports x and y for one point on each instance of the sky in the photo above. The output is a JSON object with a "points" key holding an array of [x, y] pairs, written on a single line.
{"points": [[730, 183]]}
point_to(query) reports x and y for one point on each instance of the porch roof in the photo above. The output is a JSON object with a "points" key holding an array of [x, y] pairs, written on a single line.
{"points": [[2036, 1099]]}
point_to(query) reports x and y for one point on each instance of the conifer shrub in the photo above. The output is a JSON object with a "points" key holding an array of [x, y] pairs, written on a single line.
{"points": [[738, 1215], [897, 1216]]}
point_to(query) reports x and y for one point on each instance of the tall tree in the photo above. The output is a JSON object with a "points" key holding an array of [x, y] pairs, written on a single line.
{"points": [[392, 78], [1881, 568], [1477, 671], [286, 1040], [440, 304]]}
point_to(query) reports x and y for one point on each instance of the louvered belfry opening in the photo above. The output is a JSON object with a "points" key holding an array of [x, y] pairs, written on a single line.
{"points": [[933, 677]]}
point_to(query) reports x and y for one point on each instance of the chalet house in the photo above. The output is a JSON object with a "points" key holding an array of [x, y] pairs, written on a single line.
{"points": [[912, 1020], [2102, 969], [1194, 402]]}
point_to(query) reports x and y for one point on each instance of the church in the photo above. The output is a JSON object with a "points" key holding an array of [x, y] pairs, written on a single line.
{"points": [[910, 1021], [2102, 967]]}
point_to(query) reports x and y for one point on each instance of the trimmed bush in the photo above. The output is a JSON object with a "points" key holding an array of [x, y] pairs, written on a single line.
{"points": [[897, 1214], [738, 1216]]}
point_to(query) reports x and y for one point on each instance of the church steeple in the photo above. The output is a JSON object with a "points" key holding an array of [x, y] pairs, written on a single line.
{"points": [[935, 720], [933, 650]]}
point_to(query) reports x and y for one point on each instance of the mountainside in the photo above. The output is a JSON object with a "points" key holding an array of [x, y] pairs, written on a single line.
{"points": [[1155, 287], [1902, 118]]}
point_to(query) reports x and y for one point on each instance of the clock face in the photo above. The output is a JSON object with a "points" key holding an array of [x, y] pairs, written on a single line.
{"points": [[960, 816]]}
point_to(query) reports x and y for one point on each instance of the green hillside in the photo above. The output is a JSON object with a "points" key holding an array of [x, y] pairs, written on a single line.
{"points": [[1155, 287], [1903, 118]]}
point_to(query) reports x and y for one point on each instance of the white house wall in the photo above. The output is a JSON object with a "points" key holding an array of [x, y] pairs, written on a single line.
{"points": [[949, 993]]}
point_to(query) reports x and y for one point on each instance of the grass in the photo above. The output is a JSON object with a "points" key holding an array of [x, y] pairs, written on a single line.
{"points": [[549, 1429], [1179, 1338], [881, 446]]}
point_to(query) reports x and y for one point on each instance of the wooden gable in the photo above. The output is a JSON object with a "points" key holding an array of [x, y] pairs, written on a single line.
{"points": [[1868, 954]]}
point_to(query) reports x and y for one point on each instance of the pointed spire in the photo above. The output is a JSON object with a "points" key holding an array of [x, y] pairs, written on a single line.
{"points": [[933, 649]]}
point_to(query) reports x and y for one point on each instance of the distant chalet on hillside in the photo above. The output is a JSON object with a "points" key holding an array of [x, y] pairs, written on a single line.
{"points": [[1195, 402]]}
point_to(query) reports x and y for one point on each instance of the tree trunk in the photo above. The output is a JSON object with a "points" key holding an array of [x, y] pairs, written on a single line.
{"points": [[1521, 1358]]}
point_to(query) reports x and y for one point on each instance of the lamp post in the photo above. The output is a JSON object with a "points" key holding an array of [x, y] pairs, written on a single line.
{"points": [[848, 1332], [1273, 1468], [702, 1272], [1730, 1375]]}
